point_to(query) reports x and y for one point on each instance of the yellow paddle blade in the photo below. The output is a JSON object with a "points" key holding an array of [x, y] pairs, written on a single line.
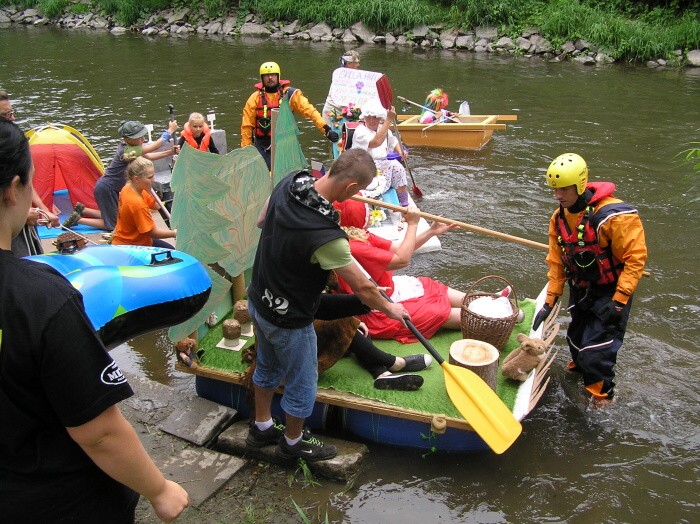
{"points": [[481, 407]]}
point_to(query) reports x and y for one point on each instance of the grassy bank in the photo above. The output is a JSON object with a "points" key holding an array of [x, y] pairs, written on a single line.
{"points": [[627, 29]]}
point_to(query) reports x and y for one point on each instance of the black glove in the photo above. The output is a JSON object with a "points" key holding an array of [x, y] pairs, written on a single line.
{"points": [[330, 134], [611, 313], [541, 315]]}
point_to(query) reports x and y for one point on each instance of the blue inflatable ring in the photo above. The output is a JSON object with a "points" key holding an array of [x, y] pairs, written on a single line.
{"points": [[131, 290]]}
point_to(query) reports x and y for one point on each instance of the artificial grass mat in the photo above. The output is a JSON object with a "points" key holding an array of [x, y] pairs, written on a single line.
{"points": [[348, 376]]}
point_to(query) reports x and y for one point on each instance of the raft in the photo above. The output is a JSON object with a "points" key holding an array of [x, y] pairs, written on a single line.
{"points": [[131, 290], [382, 417]]}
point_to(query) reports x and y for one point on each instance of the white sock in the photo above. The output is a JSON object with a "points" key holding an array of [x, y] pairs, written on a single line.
{"points": [[262, 426], [292, 442]]}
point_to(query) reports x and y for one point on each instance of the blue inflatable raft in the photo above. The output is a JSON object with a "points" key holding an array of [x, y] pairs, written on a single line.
{"points": [[131, 290]]}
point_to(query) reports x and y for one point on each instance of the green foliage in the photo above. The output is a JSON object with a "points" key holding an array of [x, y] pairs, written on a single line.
{"points": [[624, 38], [22, 4], [53, 8], [471, 13], [691, 156], [128, 12], [376, 14], [304, 517], [79, 9]]}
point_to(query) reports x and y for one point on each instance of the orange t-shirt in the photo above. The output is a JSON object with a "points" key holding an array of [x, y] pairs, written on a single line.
{"points": [[134, 219]]}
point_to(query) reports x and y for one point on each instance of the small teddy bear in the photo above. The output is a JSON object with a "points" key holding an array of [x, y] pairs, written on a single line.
{"points": [[525, 358], [186, 350]]}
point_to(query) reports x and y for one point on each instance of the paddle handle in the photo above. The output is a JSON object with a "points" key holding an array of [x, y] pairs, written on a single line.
{"points": [[463, 225]]}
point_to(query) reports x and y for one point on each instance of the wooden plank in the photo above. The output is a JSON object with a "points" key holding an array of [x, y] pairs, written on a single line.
{"points": [[335, 398]]}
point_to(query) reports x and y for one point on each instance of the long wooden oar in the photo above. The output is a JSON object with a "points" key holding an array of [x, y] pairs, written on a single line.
{"points": [[485, 412], [463, 225], [386, 98]]}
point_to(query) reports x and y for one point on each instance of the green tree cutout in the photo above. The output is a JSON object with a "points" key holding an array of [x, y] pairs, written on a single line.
{"points": [[217, 201]]}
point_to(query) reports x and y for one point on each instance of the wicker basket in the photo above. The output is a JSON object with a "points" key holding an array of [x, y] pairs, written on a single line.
{"points": [[495, 331]]}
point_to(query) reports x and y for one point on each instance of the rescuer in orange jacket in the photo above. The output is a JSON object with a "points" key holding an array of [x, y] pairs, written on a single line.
{"points": [[256, 126], [597, 244]]}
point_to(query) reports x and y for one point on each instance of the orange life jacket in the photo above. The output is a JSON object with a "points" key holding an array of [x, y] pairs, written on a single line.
{"points": [[189, 137], [263, 121], [585, 261]]}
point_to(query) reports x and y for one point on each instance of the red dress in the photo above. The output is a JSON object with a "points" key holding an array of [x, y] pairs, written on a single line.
{"points": [[428, 312]]}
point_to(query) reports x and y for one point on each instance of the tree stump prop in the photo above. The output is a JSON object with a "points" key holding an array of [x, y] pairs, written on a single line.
{"points": [[232, 331], [477, 356]]}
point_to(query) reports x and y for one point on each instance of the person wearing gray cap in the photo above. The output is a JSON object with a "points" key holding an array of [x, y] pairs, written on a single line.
{"points": [[111, 183]]}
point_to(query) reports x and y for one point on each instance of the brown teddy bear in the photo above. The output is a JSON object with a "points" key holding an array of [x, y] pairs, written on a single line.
{"points": [[525, 358]]}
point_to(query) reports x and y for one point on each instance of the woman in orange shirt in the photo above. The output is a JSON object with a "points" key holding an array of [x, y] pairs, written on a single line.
{"points": [[135, 224]]}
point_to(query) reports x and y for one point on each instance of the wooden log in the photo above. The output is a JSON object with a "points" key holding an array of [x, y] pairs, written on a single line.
{"points": [[477, 356]]}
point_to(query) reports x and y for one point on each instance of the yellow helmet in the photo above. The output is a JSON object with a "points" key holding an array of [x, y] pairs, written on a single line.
{"points": [[567, 170], [270, 68]]}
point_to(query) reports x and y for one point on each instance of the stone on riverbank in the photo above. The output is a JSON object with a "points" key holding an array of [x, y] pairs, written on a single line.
{"points": [[185, 22]]}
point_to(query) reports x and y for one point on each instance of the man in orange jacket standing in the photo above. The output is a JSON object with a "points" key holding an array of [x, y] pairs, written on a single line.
{"points": [[597, 244], [256, 126]]}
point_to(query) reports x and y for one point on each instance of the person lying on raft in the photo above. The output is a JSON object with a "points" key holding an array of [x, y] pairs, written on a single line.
{"points": [[135, 224], [431, 304], [340, 332], [374, 136]]}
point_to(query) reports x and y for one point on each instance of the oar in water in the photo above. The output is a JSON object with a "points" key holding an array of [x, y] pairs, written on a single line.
{"points": [[485, 412], [386, 98]]}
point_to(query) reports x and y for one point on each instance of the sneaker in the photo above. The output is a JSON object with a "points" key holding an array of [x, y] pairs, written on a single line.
{"points": [[308, 448], [258, 438], [72, 219], [399, 382], [416, 363]]}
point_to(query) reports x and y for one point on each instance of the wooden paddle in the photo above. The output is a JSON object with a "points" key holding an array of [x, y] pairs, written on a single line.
{"points": [[485, 412], [386, 98], [463, 225]]}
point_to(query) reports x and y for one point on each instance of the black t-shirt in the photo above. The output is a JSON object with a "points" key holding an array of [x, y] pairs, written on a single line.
{"points": [[54, 373]]}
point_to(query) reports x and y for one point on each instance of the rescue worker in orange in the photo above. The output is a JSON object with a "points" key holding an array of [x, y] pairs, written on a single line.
{"points": [[197, 134], [256, 127], [597, 244]]}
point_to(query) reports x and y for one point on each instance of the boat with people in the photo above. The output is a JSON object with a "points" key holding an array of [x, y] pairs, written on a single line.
{"points": [[222, 189], [463, 132]]}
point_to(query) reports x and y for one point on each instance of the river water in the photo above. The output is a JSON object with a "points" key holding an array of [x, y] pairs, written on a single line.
{"points": [[636, 461]]}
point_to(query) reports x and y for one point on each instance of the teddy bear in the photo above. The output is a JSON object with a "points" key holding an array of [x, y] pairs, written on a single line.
{"points": [[518, 364]]}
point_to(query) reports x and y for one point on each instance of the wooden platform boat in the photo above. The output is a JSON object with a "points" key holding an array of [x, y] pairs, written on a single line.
{"points": [[381, 417], [471, 133], [234, 192]]}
